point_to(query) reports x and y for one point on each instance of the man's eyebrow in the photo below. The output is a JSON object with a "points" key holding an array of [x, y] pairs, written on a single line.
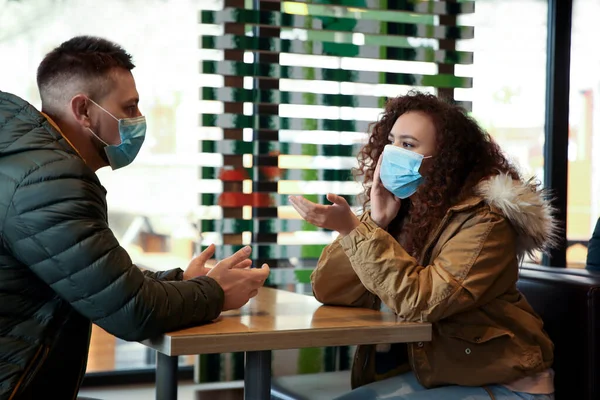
{"points": [[133, 99]]}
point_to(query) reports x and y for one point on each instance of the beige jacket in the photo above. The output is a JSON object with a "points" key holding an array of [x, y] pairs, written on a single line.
{"points": [[484, 330]]}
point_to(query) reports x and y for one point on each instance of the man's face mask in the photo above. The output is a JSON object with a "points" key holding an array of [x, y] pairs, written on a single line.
{"points": [[132, 132], [399, 172]]}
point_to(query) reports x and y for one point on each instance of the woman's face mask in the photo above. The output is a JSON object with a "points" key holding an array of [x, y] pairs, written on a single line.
{"points": [[399, 171]]}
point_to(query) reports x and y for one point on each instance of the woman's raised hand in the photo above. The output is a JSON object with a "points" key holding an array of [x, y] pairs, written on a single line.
{"points": [[338, 216]]}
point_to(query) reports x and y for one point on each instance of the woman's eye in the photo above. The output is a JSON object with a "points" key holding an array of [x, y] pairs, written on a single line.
{"points": [[391, 140], [407, 145]]}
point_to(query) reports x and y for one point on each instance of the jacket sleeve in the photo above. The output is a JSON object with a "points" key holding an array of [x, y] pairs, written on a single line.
{"points": [[334, 281], [175, 274], [57, 227], [593, 256], [457, 280]]}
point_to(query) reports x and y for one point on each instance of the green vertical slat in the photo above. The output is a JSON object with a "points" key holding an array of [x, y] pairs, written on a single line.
{"points": [[208, 146], [241, 121], [339, 75], [265, 147], [383, 4], [308, 251], [286, 20], [239, 147], [309, 359]]}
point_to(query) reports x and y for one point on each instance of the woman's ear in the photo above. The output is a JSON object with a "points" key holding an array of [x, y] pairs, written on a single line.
{"points": [[426, 166]]}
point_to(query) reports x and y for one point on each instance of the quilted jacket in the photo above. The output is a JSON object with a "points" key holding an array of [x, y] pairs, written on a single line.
{"points": [[61, 267], [593, 257]]}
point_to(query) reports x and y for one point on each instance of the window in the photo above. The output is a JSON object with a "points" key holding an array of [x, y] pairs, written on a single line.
{"points": [[509, 78], [152, 202], [583, 207]]}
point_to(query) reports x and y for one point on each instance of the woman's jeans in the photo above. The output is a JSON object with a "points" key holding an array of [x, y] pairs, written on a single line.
{"points": [[406, 387]]}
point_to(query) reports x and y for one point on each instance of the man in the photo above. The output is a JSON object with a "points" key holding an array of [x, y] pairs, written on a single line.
{"points": [[61, 267]]}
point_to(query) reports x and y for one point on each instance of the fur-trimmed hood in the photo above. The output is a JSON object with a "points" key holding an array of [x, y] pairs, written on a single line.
{"points": [[527, 208]]}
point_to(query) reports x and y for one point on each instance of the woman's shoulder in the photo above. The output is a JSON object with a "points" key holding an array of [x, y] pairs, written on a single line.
{"points": [[525, 206]]}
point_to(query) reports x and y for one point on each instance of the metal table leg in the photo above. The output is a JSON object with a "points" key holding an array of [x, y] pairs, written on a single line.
{"points": [[257, 375], [166, 377]]}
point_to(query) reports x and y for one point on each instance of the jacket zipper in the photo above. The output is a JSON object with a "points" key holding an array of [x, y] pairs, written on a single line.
{"points": [[81, 370], [425, 256], [435, 236], [31, 370], [83, 367]]}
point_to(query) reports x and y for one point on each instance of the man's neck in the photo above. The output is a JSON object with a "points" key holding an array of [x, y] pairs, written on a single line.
{"points": [[80, 143]]}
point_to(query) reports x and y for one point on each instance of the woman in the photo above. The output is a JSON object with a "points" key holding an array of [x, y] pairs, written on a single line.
{"points": [[449, 221]]}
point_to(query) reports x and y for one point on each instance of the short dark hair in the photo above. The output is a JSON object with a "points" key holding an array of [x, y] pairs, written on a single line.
{"points": [[86, 60]]}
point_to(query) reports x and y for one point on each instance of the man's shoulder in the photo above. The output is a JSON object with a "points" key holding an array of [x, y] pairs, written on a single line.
{"points": [[44, 177], [10, 101], [45, 164], [17, 112], [56, 165], [32, 150]]}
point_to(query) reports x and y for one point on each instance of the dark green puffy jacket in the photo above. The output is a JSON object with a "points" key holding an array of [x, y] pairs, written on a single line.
{"points": [[61, 267], [593, 256]]}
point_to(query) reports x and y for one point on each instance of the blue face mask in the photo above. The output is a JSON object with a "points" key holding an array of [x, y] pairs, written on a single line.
{"points": [[399, 172], [132, 132]]}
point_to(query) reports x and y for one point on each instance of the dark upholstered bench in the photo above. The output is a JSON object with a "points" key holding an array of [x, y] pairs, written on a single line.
{"points": [[568, 300]]}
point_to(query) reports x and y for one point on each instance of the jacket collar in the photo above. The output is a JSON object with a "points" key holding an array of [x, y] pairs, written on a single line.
{"points": [[62, 135]]}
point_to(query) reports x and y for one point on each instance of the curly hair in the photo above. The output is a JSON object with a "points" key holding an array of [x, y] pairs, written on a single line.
{"points": [[465, 155]]}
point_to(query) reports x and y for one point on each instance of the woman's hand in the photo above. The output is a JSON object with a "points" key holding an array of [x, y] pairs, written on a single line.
{"points": [[337, 216], [384, 205]]}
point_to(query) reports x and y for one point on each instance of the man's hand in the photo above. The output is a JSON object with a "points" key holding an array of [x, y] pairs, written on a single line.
{"points": [[197, 266], [238, 281], [337, 216]]}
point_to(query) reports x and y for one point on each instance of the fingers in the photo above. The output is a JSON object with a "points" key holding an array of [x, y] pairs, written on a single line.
{"points": [[335, 199], [302, 203], [311, 212], [206, 254], [250, 279], [376, 180], [298, 206], [258, 275], [236, 258], [300, 211], [242, 265]]}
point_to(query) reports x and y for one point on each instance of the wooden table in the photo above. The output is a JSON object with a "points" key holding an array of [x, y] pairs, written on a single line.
{"points": [[273, 320]]}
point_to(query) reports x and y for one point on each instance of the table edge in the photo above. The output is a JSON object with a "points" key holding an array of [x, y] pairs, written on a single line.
{"points": [[238, 342]]}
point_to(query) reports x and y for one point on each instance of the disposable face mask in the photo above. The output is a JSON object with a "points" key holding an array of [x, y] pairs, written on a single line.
{"points": [[399, 172], [132, 132]]}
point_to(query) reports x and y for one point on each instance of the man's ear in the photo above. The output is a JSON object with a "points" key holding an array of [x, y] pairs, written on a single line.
{"points": [[80, 109]]}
